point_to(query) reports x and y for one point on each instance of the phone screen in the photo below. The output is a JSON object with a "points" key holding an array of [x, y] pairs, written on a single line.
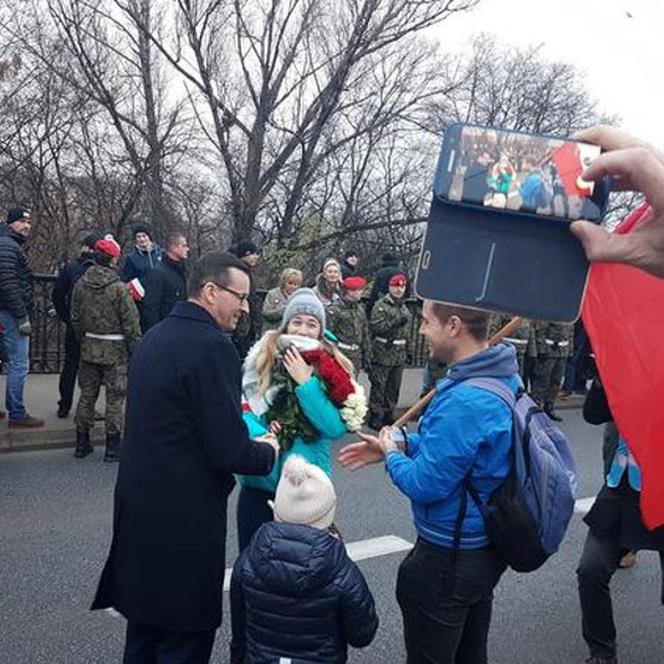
{"points": [[522, 172]]}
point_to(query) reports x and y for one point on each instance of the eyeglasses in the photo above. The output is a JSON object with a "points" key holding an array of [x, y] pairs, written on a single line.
{"points": [[240, 297]]}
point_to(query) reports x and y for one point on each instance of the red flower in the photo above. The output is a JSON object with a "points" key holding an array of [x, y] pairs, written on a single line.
{"points": [[335, 377]]}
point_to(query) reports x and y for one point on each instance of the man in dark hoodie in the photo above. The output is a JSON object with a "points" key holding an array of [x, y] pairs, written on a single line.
{"points": [[145, 255], [464, 435], [16, 293], [167, 283], [62, 290], [105, 321]]}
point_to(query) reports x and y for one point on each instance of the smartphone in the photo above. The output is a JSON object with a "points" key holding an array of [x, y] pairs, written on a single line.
{"points": [[519, 172]]}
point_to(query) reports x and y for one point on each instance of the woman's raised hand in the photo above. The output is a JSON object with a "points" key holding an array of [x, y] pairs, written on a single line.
{"points": [[296, 367]]}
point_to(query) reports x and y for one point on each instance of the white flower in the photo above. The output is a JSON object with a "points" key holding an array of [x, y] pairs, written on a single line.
{"points": [[354, 409]]}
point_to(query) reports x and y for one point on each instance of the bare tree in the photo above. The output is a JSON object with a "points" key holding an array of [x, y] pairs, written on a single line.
{"points": [[275, 76], [516, 89]]}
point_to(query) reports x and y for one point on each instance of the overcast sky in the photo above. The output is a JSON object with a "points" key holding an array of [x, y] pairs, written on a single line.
{"points": [[622, 57]]}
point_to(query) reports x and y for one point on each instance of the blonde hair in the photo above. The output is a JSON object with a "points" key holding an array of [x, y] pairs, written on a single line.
{"points": [[269, 352], [290, 274]]}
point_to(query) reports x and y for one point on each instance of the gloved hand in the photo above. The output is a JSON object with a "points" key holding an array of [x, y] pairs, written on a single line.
{"points": [[24, 326]]}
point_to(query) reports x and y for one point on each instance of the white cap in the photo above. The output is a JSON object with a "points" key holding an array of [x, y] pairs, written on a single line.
{"points": [[305, 495]]}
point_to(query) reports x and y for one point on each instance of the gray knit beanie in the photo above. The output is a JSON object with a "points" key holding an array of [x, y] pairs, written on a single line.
{"points": [[304, 301], [305, 495]]}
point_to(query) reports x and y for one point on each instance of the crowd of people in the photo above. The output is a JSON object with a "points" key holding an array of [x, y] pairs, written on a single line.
{"points": [[220, 389]]}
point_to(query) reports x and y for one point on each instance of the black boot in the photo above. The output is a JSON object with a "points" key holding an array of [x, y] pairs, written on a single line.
{"points": [[602, 660], [83, 445], [112, 447], [548, 409]]}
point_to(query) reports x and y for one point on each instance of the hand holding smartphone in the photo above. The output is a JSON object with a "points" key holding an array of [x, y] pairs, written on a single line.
{"points": [[498, 233]]}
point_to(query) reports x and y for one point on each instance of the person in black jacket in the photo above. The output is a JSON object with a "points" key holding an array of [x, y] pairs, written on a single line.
{"points": [[167, 283], [295, 593], [61, 296], [389, 268], [615, 528], [16, 301], [184, 440]]}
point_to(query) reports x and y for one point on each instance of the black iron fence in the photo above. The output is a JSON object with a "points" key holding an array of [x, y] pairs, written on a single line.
{"points": [[47, 341], [48, 333]]}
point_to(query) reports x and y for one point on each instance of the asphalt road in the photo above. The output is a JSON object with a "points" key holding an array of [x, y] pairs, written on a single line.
{"points": [[55, 518]]}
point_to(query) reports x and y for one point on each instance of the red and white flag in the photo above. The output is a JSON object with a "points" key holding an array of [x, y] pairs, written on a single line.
{"points": [[623, 313], [136, 289]]}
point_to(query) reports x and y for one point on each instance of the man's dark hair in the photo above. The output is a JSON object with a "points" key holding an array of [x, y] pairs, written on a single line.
{"points": [[350, 253], [214, 266], [476, 322], [172, 239]]}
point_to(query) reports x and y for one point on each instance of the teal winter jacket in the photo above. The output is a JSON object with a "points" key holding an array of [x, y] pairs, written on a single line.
{"points": [[324, 417]]}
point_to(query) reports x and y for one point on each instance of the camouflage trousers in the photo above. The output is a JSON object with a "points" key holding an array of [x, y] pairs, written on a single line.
{"points": [[549, 372], [91, 377], [385, 386], [356, 359]]}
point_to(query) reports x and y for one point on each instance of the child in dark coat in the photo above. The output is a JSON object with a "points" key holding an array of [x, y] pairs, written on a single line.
{"points": [[296, 597]]}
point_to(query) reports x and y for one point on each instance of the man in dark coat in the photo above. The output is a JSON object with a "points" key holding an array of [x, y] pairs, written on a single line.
{"points": [[249, 327], [16, 301], [184, 440], [167, 283], [390, 267], [62, 290]]}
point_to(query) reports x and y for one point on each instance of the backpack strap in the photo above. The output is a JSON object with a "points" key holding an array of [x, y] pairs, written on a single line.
{"points": [[497, 387]]}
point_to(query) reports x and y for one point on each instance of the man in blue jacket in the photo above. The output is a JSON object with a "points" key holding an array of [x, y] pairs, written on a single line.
{"points": [[465, 433]]}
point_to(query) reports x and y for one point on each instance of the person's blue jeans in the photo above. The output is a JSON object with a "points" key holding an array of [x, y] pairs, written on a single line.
{"points": [[17, 348]]}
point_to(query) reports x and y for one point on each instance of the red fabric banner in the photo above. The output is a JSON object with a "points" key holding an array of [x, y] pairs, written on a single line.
{"points": [[623, 313]]}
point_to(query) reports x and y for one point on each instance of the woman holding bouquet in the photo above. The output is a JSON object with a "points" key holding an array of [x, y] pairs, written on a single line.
{"points": [[298, 385]]}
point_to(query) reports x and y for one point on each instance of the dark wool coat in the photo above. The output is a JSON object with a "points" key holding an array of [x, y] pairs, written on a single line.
{"points": [[64, 285], [164, 286], [296, 594], [184, 439]]}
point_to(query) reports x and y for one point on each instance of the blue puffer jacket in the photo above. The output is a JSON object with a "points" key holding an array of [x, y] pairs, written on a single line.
{"points": [[296, 594], [465, 432]]}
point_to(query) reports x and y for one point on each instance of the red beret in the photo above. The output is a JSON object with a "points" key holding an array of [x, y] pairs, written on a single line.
{"points": [[109, 247], [398, 280], [354, 283]]}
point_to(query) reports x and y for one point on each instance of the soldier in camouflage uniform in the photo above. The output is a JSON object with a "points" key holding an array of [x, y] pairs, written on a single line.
{"points": [[523, 339], [348, 321], [106, 323], [554, 346], [390, 325]]}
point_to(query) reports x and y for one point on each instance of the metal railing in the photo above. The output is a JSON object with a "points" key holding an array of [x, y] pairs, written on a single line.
{"points": [[48, 332]]}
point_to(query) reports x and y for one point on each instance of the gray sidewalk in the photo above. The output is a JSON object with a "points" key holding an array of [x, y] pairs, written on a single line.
{"points": [[41, 400]]}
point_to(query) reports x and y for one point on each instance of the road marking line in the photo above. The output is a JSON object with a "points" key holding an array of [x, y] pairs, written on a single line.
{"points": [[583, 505], [360, 550]]}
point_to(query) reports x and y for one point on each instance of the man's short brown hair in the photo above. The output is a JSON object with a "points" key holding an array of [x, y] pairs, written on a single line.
{"points": [[476, 321]]}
